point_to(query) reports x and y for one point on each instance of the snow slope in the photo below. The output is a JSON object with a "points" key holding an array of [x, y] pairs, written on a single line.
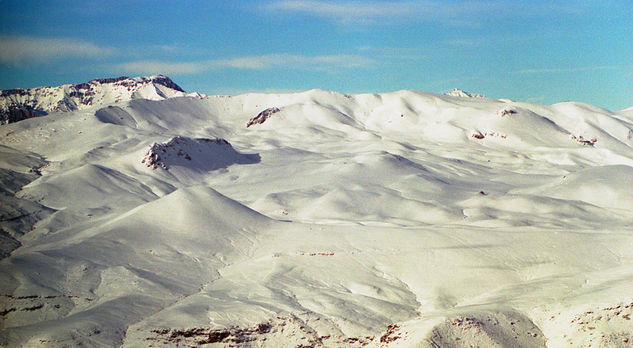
{"points": [[318, 219]]}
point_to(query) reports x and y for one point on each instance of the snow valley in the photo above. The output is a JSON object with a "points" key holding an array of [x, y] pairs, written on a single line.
{"points": [[134, 214]]}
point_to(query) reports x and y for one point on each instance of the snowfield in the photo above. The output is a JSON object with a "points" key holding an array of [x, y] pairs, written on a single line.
{"points": [[403, 219]]}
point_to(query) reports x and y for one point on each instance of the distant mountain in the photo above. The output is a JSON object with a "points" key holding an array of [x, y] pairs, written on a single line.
{"points": [[455, 92], [19, 104], [627, 111]]}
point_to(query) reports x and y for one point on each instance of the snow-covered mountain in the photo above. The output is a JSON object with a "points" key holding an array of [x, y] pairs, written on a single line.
{"points": [[628, 112], [318, 219], [19, 104], [456, 92]]}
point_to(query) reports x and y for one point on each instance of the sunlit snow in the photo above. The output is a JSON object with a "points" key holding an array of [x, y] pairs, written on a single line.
{"points": [[393, 219]]}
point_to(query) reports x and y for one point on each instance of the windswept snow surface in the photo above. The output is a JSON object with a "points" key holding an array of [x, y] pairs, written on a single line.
{"points": [[395, 219]]}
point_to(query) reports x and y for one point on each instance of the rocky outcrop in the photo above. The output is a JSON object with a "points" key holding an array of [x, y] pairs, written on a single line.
{"points": [[198, 154], [262, 116]]}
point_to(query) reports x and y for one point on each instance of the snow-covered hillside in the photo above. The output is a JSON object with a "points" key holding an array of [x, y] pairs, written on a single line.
{"points": [[19, 104], [318, 219]]}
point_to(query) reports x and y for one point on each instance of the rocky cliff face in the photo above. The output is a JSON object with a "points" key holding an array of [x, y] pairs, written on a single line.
{"points": [[19, 104]]}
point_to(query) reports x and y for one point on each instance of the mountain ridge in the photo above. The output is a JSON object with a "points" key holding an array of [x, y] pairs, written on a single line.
{"points": [[456, 92], [22, 103]]}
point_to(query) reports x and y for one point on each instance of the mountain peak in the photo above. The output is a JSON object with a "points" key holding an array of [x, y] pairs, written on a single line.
{"points": [[456, 92], [19, 104]]}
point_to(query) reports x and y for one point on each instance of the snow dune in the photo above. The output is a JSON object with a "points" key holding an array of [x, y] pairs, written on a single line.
{"points": [[394, 219]]}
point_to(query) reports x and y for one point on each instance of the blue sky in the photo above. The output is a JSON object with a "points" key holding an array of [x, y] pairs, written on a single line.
{"points": [[538, 51]]}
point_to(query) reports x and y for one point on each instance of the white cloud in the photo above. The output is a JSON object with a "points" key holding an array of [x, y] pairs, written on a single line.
{"points": [[565, 70], [497, 40], [331, 61], [456, 13], [395, 53], [158, 67], [371, 12], [261, 62], [536, 100], [289, 61], [238, 91], [20, 49], [345, 11], [474, 42], [168, 48], [294, 61]]}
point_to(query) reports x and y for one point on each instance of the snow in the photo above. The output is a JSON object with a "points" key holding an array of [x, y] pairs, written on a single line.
{"points": [[336, 220]]}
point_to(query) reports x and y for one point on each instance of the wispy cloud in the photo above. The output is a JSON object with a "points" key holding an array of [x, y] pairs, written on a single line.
{"points": [[370, 12], [323, 62], [345, 11], [447, 84], [20, 49], [497, 40], [270, 61], [535, 100], [237, 91], [169, 48], [458, 13], [395, 53], [566, 70], [159, 67]]}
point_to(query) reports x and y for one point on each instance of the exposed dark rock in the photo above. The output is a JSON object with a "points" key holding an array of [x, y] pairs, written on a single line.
{"points": [[167, 82], [109, 79], [19, 113], [507, 112], [17, 91], [582, 140], [262, 116]]}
